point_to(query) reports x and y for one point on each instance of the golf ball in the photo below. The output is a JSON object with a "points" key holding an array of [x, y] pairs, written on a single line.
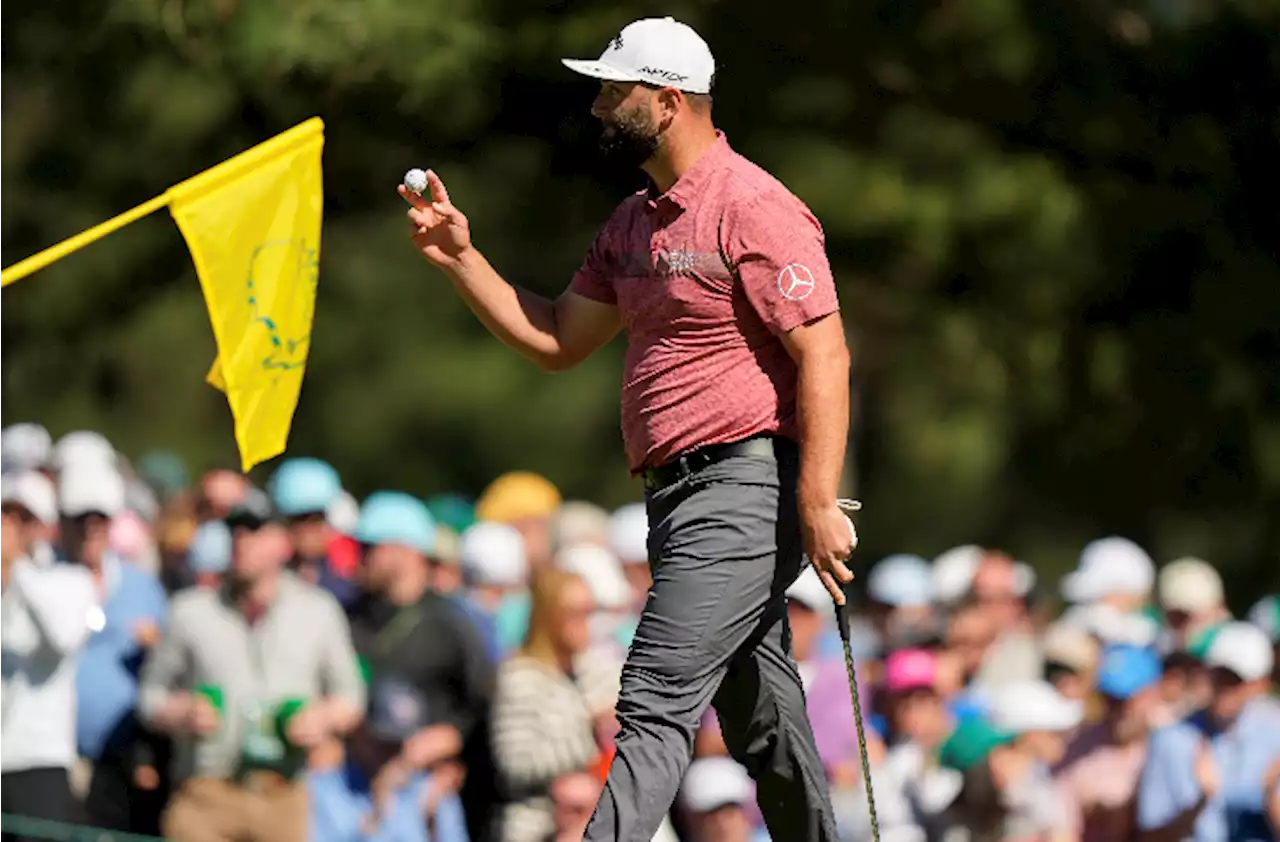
{"points": [[416, 180]]}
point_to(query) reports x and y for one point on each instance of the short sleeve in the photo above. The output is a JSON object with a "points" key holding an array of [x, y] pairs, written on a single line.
{"points": [[593, 279], [776, 248]]}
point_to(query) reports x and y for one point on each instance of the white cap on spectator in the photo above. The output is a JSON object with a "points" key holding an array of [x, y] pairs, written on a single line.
{"points": [[1024, 578], [901, 581], [809, 591], [578, 522], [139, 497], [1190, 585], [86, 487], [343, 513], [629, 534], [1265, 614], [1242, 648], [493, 554], [24, 446], [714, 782], [1023, 706], [1112, 625], [83, 446], [953, 573], [1071, 646], [601, 571], [1110, 567], [32, 491]]}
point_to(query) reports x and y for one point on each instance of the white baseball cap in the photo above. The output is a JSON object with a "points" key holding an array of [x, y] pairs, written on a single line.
{"points": [[1265, 614], [1071, 646], [629, 534], [32, 491], [493, 554], [953, 573], [83, 446], [714, 782], [579, 522], [901, 581], [1110, 567], [1242, 648], [90, 487], [24, 446], [600, 570], [658, 51], [809, 591], [1190, 585], [343, 513], [1022, 706]]}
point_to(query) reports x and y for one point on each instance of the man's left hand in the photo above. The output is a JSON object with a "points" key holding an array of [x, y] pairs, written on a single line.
{"points": [[828, 542]]}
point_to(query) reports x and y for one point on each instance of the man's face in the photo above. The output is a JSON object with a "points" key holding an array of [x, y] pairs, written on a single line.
{"points": [[380, 567], [310, 533], [255, 552], [1230, 693], [631, 132], [87, 538]]}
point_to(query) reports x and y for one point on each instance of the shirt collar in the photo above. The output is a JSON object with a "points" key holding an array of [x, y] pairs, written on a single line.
{"points": [[691, 184]]}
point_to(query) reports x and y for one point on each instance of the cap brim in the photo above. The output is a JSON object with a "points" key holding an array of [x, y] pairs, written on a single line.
{"points": [[1076, 588], [598, 70]]}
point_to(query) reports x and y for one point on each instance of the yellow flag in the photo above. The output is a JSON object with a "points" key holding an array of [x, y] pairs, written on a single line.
{"points": [[253, 226]]}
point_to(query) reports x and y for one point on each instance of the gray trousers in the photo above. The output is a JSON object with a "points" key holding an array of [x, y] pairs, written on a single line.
{"points": [[724, 544]]}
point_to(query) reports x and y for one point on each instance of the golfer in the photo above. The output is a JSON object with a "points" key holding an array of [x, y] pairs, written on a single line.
{"points": [[735, 406]]}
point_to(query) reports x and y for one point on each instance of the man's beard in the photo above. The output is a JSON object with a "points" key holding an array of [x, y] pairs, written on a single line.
{"points": [[630, 139]]}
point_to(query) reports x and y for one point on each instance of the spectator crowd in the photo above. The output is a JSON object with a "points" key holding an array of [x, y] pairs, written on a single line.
{"points": [[210, 661]]}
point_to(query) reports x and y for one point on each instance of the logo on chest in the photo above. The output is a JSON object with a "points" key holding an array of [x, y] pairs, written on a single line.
{"points": [[674, 262]]}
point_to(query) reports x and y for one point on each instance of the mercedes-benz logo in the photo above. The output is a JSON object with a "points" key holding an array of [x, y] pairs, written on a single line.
{"points": [[795, 282]]}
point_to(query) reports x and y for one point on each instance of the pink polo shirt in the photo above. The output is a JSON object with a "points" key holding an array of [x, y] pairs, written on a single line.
{"points": [[706, 277]]}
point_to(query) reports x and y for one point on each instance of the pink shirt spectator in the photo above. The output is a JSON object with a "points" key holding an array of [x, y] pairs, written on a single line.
{"points": [[706, 277], [1101, 779]]}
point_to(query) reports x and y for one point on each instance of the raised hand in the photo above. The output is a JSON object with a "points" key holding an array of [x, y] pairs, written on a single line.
{"points": [[438, 229]]}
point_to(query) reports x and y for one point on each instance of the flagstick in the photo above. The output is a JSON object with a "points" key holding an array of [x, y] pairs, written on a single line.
{"points": [[38, 261]]}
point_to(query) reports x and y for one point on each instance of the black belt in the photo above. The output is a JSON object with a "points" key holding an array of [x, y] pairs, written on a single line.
{"points": [[677, 469]]}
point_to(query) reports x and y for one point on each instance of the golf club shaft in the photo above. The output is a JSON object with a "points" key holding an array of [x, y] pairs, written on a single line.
{"points": [[842, 620]]}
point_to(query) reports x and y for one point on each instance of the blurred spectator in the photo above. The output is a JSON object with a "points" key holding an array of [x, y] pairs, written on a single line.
{"points": [[429, 676], [85, 447], [912, 791], [47, 613], [1000, 587], [553, 707], [573, 797], [220, 492], [629, 540], [210, 553], [1102, 763], [302, 491], [1070, 660], [714, 796], [165, 472], [1190, 592], [1007, 791], [613, 624], [900, 597], [1111, 571], [248, 678], [496, 572], [25, 447], [125, 792], [952, 574], [578, 523], [526, 501], [1265, 614], [969, 634], [1204, 776], [32, 501]]}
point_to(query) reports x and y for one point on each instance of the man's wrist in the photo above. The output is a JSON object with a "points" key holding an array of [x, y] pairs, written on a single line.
{"points": [[464, 263]]}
